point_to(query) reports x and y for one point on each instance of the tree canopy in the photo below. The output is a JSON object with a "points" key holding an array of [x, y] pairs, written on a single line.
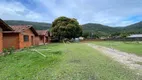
{"points": [[64, 27]]}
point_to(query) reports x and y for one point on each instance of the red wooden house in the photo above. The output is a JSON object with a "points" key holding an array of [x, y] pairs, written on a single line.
{"points": [[22, 36]]}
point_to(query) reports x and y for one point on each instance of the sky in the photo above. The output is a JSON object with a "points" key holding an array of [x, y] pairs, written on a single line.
{"points": [[107, 12]]}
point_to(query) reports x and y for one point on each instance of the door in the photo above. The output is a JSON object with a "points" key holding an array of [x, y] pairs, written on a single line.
{"points": [[32, 41], [46, 39]]}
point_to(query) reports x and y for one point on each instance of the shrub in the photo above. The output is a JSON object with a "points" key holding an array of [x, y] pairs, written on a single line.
{"points": [[8, 51]]}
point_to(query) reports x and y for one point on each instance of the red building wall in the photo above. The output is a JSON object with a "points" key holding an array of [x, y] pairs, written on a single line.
{"points": [[29, 43], [37, 40], [1, 39], [10, 40], [42, 40], [16, 40]]}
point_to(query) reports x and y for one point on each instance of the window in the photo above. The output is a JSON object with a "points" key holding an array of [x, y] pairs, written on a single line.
{"points": [[41, 38], [26, 38]]}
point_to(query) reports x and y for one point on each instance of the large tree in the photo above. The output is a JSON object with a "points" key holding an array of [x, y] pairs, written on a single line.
{"points": [[64, 27]]}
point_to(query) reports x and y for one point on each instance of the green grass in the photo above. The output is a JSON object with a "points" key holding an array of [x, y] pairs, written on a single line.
{"points": [[25, 64], [130, 47], [70, 62]]}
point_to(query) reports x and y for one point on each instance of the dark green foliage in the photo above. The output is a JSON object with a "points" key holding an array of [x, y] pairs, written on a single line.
{"points": [[134, 28], [124, 34], [36, 25], [86, 34], [91, 35], [64, 27], [115, 34]]}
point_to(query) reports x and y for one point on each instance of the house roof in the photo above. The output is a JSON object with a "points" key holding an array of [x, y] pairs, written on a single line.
{"points": [[42, 32], [10, 32], [135, 36], [21, 28], [4, 26]]}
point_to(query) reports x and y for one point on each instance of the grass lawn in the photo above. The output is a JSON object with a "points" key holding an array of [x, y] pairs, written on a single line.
{"points": [[70, 62], [130, 47], [26, 64]]}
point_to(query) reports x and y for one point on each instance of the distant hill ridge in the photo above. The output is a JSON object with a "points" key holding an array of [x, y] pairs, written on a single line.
{"points": [[89, 27], [99, 27], [36, 25], [137, 27]]}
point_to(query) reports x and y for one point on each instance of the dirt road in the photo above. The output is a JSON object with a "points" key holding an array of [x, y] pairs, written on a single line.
{"points": [[130, 60]]}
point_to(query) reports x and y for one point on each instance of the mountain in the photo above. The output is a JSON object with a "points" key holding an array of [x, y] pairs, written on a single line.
{"points": [[107, 30], [100, 29], [89, 28], [136, 28], [36, 25]]}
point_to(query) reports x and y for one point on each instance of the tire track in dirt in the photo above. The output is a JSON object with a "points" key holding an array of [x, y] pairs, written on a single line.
{"points": [[130, 60]]}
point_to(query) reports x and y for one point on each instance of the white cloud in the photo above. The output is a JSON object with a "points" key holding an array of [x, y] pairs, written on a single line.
{"points": [[107, 12], [17, 11], [33, 15]]}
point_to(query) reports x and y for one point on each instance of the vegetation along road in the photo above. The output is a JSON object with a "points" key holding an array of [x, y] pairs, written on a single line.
{"points": [[75, 61]]}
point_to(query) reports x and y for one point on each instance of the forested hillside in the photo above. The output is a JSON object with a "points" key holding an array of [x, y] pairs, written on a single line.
{"points": [[137, 28], [100, 30], [91, 29]]}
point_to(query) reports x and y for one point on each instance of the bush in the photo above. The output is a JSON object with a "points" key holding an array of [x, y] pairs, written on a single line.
{"points": [[8, 51]]}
